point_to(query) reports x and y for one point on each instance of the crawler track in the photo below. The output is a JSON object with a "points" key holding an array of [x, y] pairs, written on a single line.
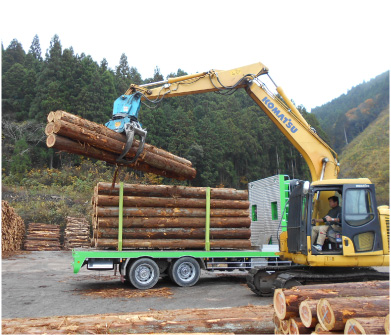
{"points": [[264, 280]]}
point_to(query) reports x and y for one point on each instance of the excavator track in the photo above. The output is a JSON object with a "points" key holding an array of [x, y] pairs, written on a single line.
{"points": [[263, 280]]}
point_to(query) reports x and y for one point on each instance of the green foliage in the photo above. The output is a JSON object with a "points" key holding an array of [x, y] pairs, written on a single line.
{"points": [[348, 115], [368, 155], [20, 161]]}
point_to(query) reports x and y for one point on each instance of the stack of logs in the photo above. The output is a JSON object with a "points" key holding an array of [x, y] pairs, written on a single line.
{"points": [[12, 228], [42, 237], [170, 217], [77, 233], [73, 134], [345, 308]]}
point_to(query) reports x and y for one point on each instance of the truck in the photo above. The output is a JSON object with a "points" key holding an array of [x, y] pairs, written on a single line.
{"points": [[290, 258]]}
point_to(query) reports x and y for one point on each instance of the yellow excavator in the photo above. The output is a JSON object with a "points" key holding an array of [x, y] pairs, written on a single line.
{"points": [[362, 242]]}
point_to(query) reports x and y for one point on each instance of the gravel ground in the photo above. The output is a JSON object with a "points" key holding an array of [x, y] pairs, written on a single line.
{"points": [[40, 284]]}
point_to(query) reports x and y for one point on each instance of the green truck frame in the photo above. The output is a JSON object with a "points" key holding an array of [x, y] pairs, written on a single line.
{"points": [[143, 268]]}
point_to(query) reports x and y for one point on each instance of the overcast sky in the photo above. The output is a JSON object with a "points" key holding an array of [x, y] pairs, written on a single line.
{"points": [[315, 50]]}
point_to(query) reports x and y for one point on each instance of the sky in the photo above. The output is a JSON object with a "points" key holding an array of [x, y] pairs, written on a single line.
{"points": [[315, 50]]}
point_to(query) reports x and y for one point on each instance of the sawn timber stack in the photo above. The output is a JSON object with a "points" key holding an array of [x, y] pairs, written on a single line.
{"points": [[70, 133], [170, 217]]}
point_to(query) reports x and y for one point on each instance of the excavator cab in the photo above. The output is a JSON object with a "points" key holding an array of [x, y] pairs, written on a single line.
{"points": [[362, 232], [125, 120]]}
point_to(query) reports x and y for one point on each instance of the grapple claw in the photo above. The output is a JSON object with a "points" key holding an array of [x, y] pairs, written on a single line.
{"points": [[131, 129]]}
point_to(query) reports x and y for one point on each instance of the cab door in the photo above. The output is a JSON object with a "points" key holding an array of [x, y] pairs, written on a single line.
{"points": [[361, 226]]}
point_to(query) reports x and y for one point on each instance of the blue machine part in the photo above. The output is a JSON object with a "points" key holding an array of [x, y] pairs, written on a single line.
{"points": [[125, 110]]}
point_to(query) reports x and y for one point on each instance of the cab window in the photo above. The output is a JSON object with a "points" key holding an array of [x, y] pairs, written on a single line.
{"points": [[358, 207]]}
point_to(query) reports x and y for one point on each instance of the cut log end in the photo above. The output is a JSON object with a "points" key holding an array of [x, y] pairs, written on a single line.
{"points": [[307, 312], [325, 314], [374, 325]]}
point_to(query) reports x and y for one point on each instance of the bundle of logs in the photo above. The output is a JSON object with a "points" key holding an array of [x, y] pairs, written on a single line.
{"points": [[42, 237], [77, 233], [170, 217], [70, 133], [233, 320], [345, 308], [12, 228]]}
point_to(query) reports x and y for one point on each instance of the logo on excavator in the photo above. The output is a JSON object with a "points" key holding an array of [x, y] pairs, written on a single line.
{"points": [[288, 122]]}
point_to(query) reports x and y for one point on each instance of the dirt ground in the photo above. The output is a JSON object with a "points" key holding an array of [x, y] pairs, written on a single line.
{"points": [[41, 284]]}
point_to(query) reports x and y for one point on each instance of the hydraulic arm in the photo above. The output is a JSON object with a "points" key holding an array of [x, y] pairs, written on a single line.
{"points": [[321, 159]]}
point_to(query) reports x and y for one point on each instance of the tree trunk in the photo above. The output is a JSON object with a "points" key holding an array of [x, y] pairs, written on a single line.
{"points": [[67, 145], [307, 311], [109, 144], [333, 313], [174, 244], [174, 222], [173, 233], [169, 212], [144, 201], [103, 130], [238, 320], [374, 325], [296, 327], [286, 301], [172, 191]]}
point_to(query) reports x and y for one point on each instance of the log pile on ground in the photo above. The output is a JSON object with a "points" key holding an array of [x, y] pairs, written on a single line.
{"points": [[12, 229], [42, 237], [233, 320], [170, 217], [345, 308], [73, 134], [77, 233]]}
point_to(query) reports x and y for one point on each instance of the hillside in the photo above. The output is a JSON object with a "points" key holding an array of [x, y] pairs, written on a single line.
{"points": [[368, 156], [347, 116]]}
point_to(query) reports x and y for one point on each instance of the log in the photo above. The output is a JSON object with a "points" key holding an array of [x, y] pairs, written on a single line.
{"points": [[174, 222], [173, 244], [172, 191], [64, 144], [238, 320], [109, 144], [374, 325], [173, 233], [12, 229], [333, 313], [170, 212], [307, 312], [286, 301], [296, 327], [138, 201], [387, 324], [103, 130]]}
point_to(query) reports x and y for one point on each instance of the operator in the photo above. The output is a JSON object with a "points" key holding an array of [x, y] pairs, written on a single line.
{"points": [[332, 219]]}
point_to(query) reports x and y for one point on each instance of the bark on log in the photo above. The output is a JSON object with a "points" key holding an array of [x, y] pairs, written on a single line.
{"points": [[174, 222], [239, 320], [333, 313], [286, 301], [296, 327], [138, 201], [103, 130], [172, 191], [64, 144], [170, 212], [12, 229], [174, 244], [109, 144], [173, 233], [374, 325], [307, 312]]}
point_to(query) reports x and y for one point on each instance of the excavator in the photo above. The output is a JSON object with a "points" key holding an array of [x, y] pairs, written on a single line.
{"points": [[363, 242]]}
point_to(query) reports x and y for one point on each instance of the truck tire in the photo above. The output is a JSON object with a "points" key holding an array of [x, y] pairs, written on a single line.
{"points": [[143, 273], [185, 271]]}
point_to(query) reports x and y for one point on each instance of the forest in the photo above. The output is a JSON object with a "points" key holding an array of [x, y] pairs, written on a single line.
{"points": [[229, 140]]}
